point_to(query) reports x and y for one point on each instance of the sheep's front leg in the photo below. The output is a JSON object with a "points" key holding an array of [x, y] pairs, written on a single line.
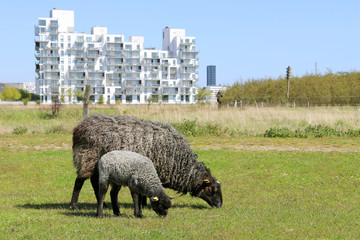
{"points": [[102, 192], [137, 203], [114, 199]]}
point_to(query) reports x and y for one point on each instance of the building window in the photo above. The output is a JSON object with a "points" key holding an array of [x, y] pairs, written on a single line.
{"points": [[89, 39], [42, 22], [79, 38], [69, 38], [117, 39]]}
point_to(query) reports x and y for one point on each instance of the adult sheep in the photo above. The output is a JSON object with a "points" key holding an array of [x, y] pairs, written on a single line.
{"points": [[175, 163]]}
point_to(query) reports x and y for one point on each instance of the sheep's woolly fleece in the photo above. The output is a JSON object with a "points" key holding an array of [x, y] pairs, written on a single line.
{"points": [[126, 168]]}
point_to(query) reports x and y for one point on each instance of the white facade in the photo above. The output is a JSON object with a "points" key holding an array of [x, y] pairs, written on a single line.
{"points": [[115, 68]]}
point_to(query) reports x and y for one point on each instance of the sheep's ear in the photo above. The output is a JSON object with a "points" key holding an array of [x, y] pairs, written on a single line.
{"points": [[155, 199]]}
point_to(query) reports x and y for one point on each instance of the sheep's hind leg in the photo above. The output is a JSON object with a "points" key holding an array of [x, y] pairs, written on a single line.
{"points": [[114, 199], [79, 182]]}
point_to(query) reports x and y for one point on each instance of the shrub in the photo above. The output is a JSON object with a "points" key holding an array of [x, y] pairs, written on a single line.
{"points": [[192, 128], [25, 101], [20, 130], [317, 131], [278, 132]]}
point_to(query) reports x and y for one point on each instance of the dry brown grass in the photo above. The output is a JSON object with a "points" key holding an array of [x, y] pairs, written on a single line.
{"points": [[247, 120]]}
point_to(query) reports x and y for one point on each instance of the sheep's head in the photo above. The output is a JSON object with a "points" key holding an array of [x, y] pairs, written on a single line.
{"points": [[209, 189], [161, 204]]}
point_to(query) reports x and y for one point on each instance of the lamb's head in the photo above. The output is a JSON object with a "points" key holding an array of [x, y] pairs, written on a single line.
{"points": [[161, 204], [209, 189]]}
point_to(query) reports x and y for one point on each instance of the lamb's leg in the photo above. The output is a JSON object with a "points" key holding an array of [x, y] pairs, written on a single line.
{"points": [[114, 199], [79, 182], [137, 203], [101, 196]]}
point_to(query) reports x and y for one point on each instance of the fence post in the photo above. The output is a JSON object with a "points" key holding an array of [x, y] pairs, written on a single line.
{"points": [[86, 100]]}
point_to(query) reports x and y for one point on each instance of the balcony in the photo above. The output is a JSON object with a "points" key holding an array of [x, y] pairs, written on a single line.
{"points": [[113, 48], [93, 55], [152, 83], [74, 77], [171, 91], [48, 62], [79, 70], [114, 63], [188, 50], [79, 62], [151, 63], [79, 55], [51, 70], [95, 77], [47, 55], [112, 55], [90, 61]]}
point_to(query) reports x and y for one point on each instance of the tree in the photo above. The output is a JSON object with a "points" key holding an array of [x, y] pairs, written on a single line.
{"points": [[203, 94], [101, 100], [11, 94]]}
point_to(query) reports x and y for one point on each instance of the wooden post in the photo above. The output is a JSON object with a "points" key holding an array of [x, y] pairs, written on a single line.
{"points": [[86, 100]]}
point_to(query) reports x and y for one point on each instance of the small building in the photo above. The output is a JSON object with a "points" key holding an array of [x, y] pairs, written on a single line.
{"points": [[214, 90], [29, 87]]}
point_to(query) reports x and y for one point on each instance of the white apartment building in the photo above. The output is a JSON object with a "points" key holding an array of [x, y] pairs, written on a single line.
{"points": [[116, 69]]}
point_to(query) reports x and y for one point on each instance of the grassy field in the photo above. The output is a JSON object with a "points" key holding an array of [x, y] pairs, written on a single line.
{"points": [[268, 194], [281, 188]]}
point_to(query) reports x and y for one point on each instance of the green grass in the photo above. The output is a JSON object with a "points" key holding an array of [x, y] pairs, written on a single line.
{"points": [[267, 194]]}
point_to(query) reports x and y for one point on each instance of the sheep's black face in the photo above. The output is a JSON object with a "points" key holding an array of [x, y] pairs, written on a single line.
{"points": [[210, 191], [161, 204]]}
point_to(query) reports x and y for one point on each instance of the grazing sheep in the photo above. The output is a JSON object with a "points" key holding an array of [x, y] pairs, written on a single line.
{"points": [[173, 159], [124, 168]]}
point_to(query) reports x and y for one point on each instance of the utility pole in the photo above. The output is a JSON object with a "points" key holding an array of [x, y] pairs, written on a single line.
{"points": [[86, 100], [288, 74]]}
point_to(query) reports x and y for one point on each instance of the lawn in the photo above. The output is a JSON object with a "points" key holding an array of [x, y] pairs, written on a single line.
{"points": [[272, 189]]}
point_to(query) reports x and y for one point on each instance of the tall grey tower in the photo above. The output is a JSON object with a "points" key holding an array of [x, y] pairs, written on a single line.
{"points": [[211, 75]]}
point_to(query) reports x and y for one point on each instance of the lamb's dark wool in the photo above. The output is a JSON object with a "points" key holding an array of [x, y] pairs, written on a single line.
{"points": [[174, 161]]}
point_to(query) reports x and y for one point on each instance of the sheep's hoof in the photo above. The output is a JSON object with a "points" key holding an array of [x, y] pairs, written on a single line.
{"points": [[117, 214], [73, 206]]}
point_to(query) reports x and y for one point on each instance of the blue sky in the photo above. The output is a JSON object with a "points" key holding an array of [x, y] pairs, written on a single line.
{"points": [[245, 39]]}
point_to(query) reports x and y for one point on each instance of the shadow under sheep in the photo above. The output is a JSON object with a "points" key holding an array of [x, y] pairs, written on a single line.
{"points": [[93, 206]]}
